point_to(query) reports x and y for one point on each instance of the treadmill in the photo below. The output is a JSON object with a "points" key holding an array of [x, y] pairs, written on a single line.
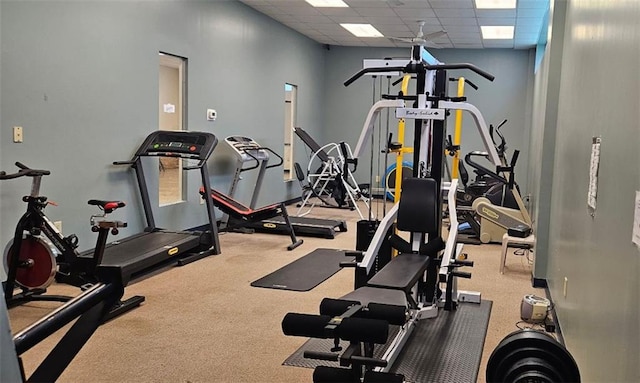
{"points": [[248, 151], [155, 247]]}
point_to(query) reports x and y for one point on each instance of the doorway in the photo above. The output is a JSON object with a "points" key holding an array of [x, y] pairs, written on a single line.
{"points": [[172, 90], [290, 101]]}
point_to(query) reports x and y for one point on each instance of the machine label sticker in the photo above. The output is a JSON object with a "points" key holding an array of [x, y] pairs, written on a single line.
{"points": [[269, 225], [490, 213], [173, 251], [422, 114]]}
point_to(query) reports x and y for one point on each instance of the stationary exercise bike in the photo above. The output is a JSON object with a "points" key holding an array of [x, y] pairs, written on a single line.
{"points": [[40, 254]]}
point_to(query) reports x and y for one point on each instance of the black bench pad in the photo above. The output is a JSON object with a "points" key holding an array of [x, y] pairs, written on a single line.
{"points": [[366, 295], [402, 273]]}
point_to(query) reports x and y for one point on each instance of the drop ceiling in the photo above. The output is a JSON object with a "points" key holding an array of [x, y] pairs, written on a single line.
{"points": [[400, 19]]}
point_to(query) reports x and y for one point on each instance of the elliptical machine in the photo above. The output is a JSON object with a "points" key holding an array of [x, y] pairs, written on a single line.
{"points": [[487, 183], [39, 253]]}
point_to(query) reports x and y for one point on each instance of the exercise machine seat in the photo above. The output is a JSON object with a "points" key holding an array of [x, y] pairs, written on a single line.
{"points": [[417, 213], [402, 273], [369, 294]]}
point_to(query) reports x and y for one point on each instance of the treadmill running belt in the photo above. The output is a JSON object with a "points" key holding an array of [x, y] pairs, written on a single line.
{"points": [[139, 252], [304, 273]]}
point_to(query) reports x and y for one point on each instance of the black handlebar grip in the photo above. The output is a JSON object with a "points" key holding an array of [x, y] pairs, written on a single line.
{"points": [[372, 70], [461, 274], [514, 158], [364, 330], [393, 314], [463, 262], [471, 84], [335, 307], [326, 374], [306, 325], [348, 264]]}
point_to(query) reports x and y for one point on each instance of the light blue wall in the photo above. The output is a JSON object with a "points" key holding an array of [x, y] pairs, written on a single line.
{"points": [[543, 133], [508, 96], [82, 79], [598, 93]]}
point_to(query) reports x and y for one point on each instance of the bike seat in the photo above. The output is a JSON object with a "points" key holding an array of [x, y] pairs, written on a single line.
{"points": [[107, 206]]}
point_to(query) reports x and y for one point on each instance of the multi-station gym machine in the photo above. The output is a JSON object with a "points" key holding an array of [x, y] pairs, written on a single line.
{"points": [[404, 289]]}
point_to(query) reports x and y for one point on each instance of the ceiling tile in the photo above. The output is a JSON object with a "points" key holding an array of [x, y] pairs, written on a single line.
{"points": [[338, 11], [464, 29], [399, 18], [379, 11], [366, 3], [299, 10], [443, 4], [455, 12], [457, 35], [385, 29], [384, 20], [495, 12], [496, 20], [454, 21], [415, 13], [314, 19], [349, 19]]}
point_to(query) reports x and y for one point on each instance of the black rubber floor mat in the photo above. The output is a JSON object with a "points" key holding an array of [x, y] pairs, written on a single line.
{"points": [[447, 348], [305, 273], [444, 349]]}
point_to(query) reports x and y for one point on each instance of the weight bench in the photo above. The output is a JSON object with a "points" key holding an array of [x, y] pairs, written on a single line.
{"points": [[395, 295], [239, 214]]}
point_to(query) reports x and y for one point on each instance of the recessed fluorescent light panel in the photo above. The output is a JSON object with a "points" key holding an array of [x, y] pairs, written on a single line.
{"points": [[495, 4], [497, 32], [362, 30], [327, 3]]}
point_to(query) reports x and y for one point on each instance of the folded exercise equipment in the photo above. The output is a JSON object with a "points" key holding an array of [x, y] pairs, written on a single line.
{"points": [[330, 176]]}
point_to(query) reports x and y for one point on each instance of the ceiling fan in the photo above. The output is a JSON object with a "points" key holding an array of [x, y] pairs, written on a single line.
{"points": [[421, 38]]}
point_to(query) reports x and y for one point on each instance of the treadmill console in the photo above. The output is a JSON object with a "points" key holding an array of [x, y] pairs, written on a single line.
{"points": [[184, 144], [246, 148]]}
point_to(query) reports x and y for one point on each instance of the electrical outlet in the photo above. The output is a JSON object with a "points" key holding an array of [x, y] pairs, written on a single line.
{"points": [[564, 287], [17, 134]]}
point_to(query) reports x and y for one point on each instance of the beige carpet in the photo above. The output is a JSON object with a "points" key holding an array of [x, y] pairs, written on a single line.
{"points": [[204, 323]]}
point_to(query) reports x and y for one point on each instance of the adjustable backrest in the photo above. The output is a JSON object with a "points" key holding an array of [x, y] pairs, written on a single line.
{"points": [[418, 206], [312, 144]]}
